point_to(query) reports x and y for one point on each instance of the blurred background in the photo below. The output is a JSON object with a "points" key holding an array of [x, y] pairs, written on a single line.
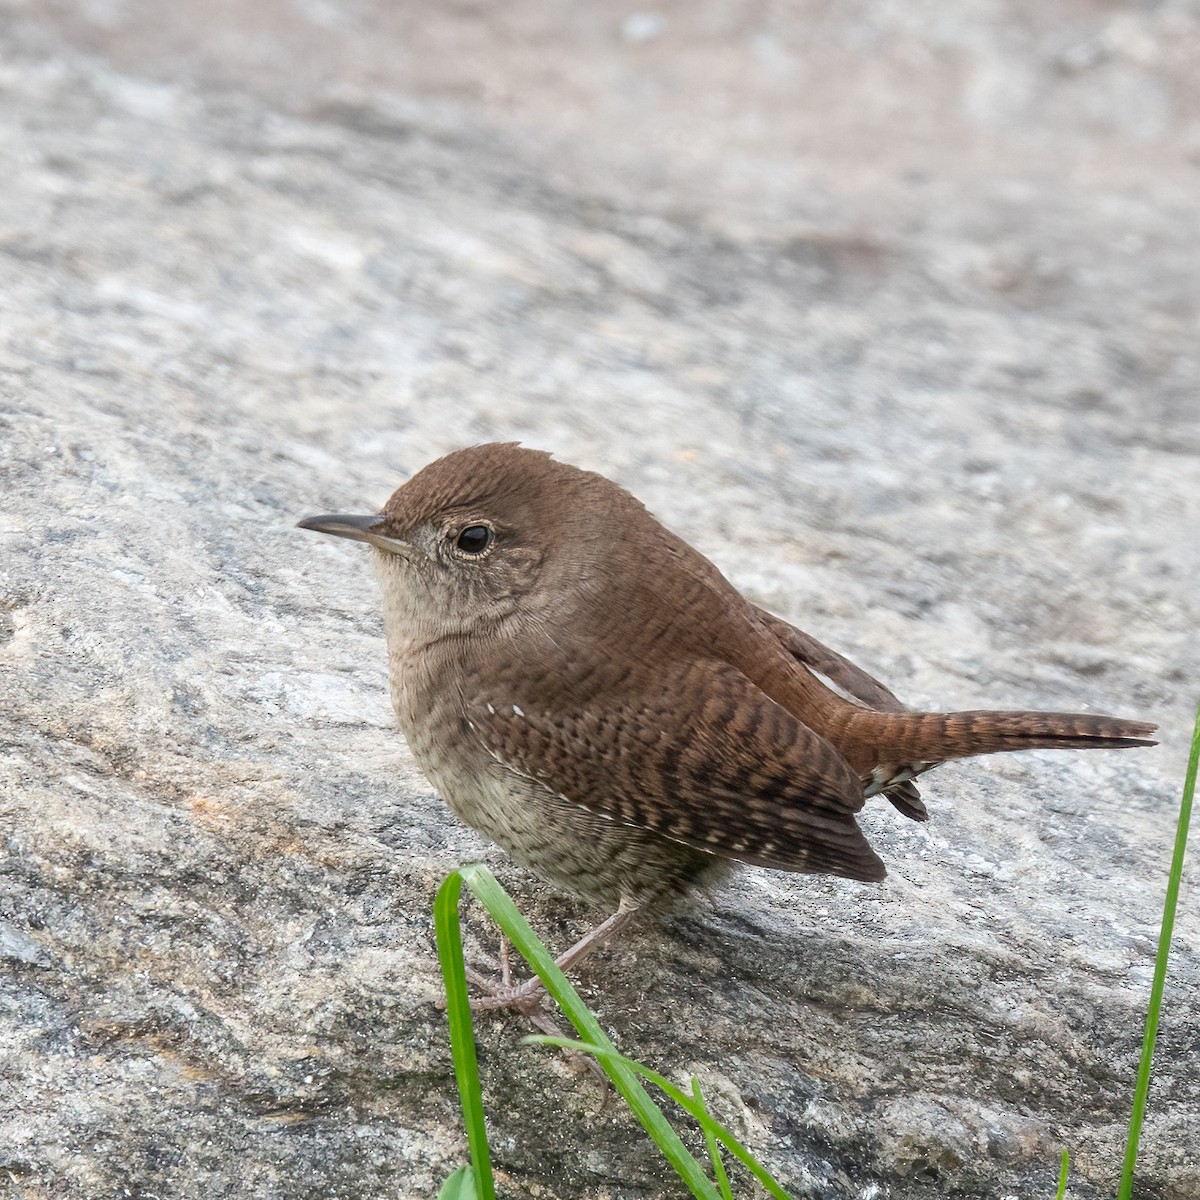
{"points": [[892, 309]]}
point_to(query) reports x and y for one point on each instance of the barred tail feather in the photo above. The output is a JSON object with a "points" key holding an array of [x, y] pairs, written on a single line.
{"points": [[935, 737]]}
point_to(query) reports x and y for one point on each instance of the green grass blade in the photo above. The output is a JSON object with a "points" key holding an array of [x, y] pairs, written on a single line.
{"points": [[498, 903], [462, 1036], [1063, 1171], [605, 1050], [460, 1185], [1125, 1191], [714, 1150]]}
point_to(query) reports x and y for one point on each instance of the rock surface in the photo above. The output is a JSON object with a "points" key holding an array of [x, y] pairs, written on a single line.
{"points": [[890, 310]]}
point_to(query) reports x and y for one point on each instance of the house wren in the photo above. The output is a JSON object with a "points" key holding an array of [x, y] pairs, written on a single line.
{"points": [[592, 694]]}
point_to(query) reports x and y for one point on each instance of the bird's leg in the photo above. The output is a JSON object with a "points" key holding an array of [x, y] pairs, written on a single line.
{"points": [[527, 997]]}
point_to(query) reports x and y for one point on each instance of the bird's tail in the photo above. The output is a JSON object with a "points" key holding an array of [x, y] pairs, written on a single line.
{"points": [[935, 737]]}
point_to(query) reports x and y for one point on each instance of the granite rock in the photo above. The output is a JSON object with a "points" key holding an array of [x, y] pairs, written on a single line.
{"points": [[891, 311]]}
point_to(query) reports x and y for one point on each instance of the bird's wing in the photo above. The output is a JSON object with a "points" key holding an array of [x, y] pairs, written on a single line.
{"points": [[702, 757], [848, 676]]}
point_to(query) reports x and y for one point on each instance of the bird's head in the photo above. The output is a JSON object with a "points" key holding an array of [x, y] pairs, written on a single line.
{"points": [[489, 532]]}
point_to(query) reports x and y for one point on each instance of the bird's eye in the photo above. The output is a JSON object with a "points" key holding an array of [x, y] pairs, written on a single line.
{"points": [[473, 540]]}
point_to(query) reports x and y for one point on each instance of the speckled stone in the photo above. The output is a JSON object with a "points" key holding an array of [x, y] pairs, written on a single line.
{"points": [[892, 313]]}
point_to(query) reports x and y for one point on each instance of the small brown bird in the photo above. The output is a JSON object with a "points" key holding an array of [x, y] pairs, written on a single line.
{"points": [[592, 694]]}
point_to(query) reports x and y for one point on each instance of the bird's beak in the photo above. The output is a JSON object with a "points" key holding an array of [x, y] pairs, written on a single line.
{"points": [[357, 529]]}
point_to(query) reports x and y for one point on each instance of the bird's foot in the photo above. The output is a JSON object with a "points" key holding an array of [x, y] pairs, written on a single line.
{"points": [[526, 998]]}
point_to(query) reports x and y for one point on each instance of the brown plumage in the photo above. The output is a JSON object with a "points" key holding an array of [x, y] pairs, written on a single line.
{"points": [[590, 692]]}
